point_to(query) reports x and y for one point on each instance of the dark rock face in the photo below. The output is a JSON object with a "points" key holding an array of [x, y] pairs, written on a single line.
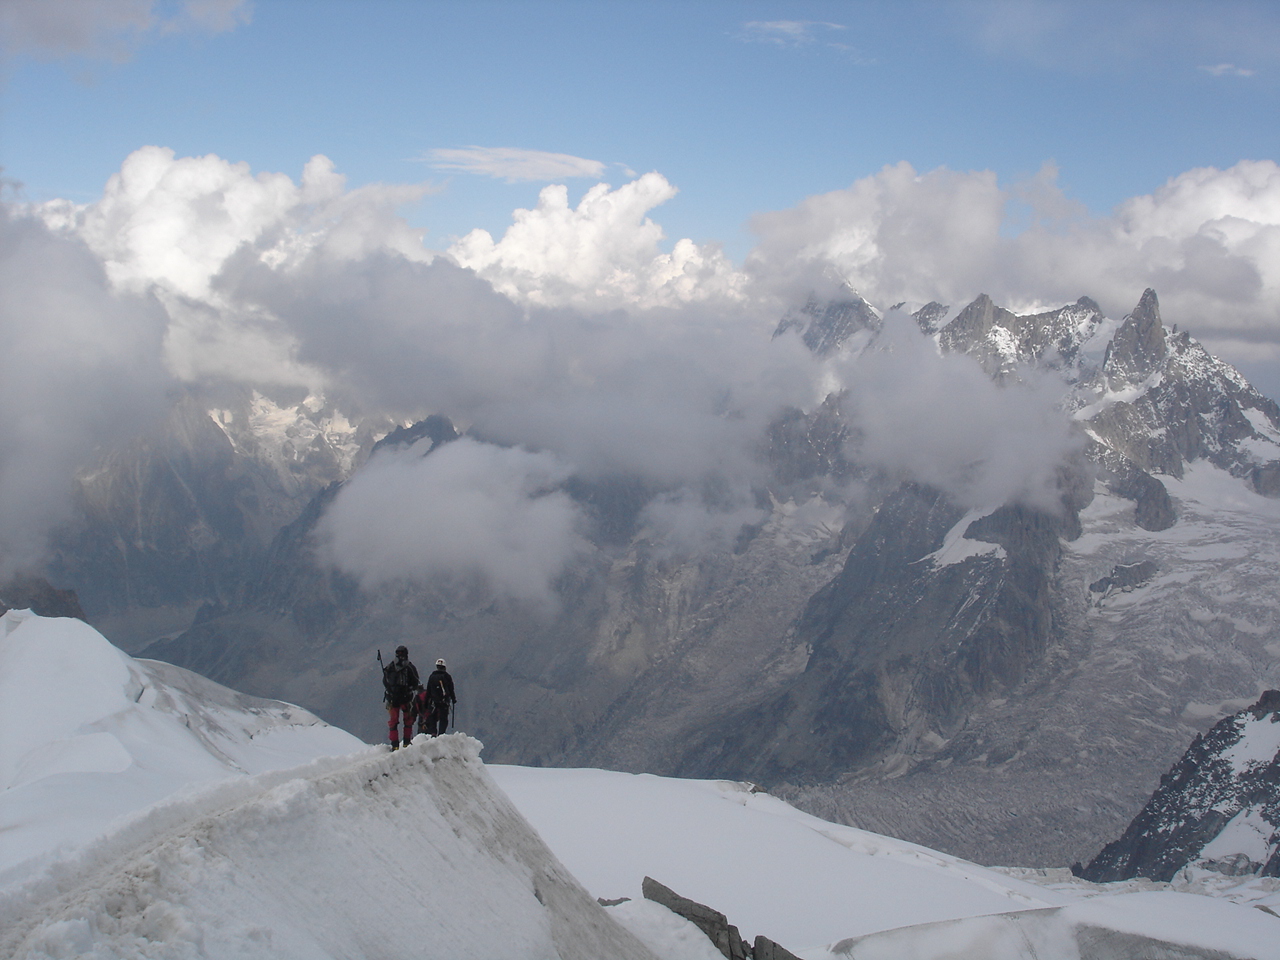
{"points": [[1230, 773], [930, 317], [803, 446], [1002, 341], [26, 592], [712, 922], [825, 327], [1138, 348], [1266, 479], [1125, 576], [166, 522], [901, 647], [182, 518], [1194, 407], [435, 428]]}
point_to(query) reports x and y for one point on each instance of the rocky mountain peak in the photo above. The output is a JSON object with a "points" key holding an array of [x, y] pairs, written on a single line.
{"points": [[1218, 809], [1003, 341], [1139, 347], [439, 429], [932, 316], [825, 327]]}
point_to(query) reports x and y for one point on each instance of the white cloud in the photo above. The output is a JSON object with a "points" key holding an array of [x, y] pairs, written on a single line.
{"points": [[603, 253], [171, 225], [83, 370], [579, 336], [513, 164], [1227, 70], [787, 33], [939, 419], [174, 222], [1208, 241], [114, 28], [466, 510]]}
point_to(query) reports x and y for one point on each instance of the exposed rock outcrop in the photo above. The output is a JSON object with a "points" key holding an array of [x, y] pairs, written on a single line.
{"points": [[715, 925], [28, 592], [1219, 807]]}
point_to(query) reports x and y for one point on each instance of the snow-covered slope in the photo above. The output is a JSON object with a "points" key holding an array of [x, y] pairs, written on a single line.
{"points": [[146, 812], [828, 892], [769, 867], [368, 855], [88, 733], [192, 842]]}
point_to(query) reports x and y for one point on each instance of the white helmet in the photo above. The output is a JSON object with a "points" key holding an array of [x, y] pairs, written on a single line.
{"points": [[440, 664]]}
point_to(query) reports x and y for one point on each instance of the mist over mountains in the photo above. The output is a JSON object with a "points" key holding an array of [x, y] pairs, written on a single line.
{"points": [[664, 513]]}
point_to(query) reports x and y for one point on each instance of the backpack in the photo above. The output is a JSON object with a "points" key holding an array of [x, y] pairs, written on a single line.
{"points": [[437, 693], [398, 683]]}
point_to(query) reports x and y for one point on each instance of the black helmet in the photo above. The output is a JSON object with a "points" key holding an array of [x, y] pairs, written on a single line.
{"points": [[402, 651]]}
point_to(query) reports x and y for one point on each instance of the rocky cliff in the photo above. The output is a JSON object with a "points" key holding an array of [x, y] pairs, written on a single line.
{"points": [[1218, 808]]}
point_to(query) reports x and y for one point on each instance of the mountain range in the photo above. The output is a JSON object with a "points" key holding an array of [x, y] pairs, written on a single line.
{"points": [[996, 665]]}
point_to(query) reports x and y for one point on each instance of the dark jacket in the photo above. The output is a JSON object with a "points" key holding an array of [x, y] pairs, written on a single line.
{"points": [[400, 680], [440, 687]]}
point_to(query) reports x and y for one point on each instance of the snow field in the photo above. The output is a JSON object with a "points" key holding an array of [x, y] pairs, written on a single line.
{"points": [[771, 869], [158, 815], [1135, 926], [373, 855]]}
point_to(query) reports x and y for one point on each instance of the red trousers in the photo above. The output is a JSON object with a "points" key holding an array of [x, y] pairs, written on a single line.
{"points": [[394, 715]]}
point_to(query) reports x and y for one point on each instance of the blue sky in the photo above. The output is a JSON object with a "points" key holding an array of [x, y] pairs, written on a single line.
{"points": [[575, 226], [744, 107]]}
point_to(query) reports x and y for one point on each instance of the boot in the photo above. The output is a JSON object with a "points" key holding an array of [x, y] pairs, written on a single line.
{"points": [[407, 742], [394, 746]]}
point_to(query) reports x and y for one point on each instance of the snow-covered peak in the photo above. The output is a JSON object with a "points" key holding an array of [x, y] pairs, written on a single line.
{"points": [[310, 440]]}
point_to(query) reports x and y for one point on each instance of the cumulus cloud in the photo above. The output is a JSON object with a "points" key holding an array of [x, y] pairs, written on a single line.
{"points": [[112, 28], [170, 226], [83, 370], [513, 164], [603, 253], [173, 222], [467, 509]]}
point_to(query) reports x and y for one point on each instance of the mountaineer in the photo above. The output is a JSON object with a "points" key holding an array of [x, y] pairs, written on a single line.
{"points": [[400, 680], [439, 698]]}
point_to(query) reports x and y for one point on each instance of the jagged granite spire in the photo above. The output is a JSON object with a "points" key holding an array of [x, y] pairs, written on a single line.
{"points": [[1138, 348]]}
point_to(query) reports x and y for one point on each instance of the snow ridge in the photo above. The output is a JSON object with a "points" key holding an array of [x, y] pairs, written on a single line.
{"points": [[374, 854]]}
